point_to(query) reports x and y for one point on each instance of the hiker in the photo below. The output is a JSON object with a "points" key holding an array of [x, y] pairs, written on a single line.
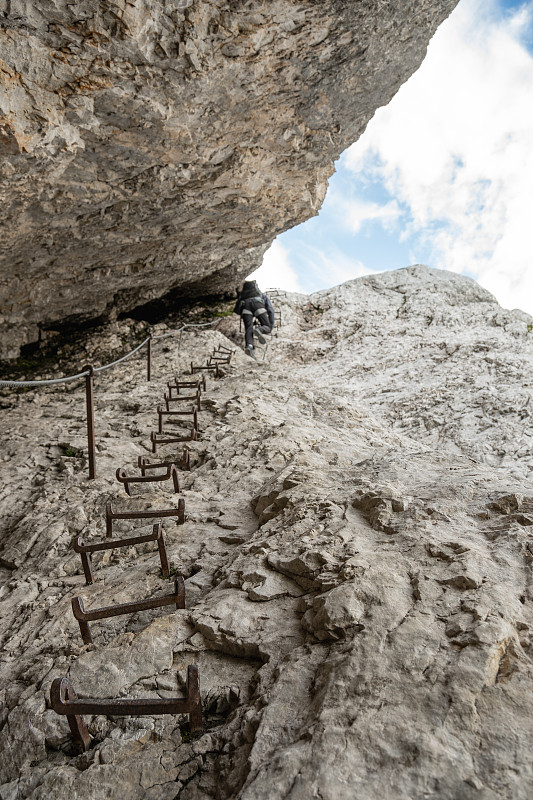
{"points": [[252, 304]]}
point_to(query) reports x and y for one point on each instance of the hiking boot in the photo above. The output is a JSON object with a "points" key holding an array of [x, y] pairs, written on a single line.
{"points": [[249, 350], [259, 336]]}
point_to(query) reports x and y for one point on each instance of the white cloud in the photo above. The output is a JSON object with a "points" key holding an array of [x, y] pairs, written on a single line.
{"points": [[317, 269], [355, 213], [330, 269], [321, 268], [276, 270], [454, 147]]}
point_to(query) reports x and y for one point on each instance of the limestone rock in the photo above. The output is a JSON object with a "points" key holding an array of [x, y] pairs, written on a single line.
{"points": [[334, 614], [373, 637]]}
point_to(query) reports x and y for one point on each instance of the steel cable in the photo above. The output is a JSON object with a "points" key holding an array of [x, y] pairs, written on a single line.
{"points": [[45, 381], [107, 366]]}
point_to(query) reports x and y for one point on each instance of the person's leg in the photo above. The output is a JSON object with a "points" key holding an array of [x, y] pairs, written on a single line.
{"points": [[264, 324], [248, 320]]}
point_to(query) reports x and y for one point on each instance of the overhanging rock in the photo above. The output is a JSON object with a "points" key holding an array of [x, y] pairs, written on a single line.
{"points": [[152, 146]]}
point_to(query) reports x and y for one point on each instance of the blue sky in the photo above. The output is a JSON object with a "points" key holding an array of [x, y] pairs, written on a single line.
{"points": [[442, 176]]}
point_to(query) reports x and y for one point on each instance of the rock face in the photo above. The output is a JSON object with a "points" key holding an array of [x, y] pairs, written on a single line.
{"points": [[434, 355], [149, 146], [359, 595]]}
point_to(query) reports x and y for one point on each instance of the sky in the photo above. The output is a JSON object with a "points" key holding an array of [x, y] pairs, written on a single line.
{"points": [[442, 176]]}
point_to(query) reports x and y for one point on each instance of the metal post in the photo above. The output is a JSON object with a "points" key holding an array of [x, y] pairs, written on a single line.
{"points": [[87, 568], [90, 419], [149, 360], [165, 570], [193, 695]]}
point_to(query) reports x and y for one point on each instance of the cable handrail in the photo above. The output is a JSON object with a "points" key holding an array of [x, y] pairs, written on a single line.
{"points": [[45, 380], [187, 325], [49, 381], [123, 358]]}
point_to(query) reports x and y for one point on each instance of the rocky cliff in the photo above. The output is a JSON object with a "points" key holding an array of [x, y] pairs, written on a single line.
{"points": [[357, 552], [152, 145]]}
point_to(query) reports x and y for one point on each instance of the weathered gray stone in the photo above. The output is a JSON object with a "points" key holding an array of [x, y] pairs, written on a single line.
{"points": [[372, 638], [335, 614]]}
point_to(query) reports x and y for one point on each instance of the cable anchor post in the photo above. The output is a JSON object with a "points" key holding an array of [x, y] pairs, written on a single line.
{"points": [[149, 359], [89, 396]]}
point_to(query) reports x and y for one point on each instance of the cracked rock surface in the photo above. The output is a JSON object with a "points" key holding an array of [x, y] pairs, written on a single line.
{"points": [[149, 146], [358, 582]]}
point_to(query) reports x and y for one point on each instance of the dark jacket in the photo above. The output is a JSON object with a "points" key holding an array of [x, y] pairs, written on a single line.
{"points": [[251, 298], [249, 289]]}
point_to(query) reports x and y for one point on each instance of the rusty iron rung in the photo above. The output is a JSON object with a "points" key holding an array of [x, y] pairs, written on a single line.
{"points": [[192, 437], [189, 384], [182, 413], [225, 349], [85, 550], [173, 388], [178, 512], [187, 413], [84, 617], [199, 367], [183, 463], [219, 360], [183, 398], [199, 383], [64, 701], [170, 474]]}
